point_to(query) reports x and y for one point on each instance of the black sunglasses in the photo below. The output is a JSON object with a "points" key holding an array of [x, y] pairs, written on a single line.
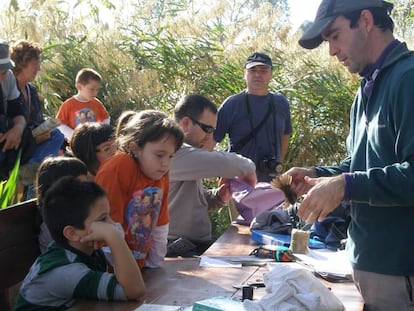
{"points": [[206, 128]]}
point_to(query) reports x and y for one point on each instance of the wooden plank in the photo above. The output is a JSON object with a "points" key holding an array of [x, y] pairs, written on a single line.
{"points": [[19, 247], [19, 229], [234, 241], [346, 292], [181, 282]]}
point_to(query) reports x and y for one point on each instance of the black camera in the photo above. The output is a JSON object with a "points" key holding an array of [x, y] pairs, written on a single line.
{"points": [[270, 166]]}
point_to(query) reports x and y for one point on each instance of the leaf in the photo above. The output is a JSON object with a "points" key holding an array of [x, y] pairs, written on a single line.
{"points": [[8, 188]]}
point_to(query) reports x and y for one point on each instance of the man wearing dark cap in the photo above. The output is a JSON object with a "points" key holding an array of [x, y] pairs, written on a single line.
{"points": [[377, 178], [12, 120], [257, 121]]}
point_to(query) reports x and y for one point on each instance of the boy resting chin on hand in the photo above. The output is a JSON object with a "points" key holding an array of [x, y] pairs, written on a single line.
{"points": [[77, 215]]}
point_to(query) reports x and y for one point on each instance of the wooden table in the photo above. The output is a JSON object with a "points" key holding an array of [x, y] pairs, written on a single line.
{"points": [[236, 241], [181, 281]]}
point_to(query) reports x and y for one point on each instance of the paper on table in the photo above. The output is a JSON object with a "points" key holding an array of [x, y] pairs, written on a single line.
{"points": [[151, 307], [323, 260], [206, 261]]}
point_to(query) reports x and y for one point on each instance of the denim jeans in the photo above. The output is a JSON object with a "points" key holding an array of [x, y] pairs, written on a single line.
{"points": [[47, 148]]}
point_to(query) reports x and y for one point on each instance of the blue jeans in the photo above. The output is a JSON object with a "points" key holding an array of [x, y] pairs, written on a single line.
{"points": [[47, 148]]}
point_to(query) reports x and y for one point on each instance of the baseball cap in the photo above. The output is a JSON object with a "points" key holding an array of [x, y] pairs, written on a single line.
{"points": [[328, 11], [5, 62], [258, 59]]}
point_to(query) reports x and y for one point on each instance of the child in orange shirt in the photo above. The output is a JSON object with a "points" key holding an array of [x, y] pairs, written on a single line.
{"points": [[84, 106], [137, 183]]}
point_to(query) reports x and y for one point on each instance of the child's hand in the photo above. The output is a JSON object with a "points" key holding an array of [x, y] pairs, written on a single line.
{"points": [[224, 193], [100, 233]]}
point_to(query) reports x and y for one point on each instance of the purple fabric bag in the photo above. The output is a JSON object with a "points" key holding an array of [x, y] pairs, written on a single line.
{"points": [[252, 201]]}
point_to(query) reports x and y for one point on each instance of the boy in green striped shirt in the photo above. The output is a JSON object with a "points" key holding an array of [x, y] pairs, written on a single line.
{"points": [[77, 215]]}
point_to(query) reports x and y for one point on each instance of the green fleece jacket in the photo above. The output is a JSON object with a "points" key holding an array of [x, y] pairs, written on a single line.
{"points": [[381, 158]]}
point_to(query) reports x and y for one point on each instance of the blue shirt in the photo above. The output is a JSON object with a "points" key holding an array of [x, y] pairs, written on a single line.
{"points": [[235, 120]]}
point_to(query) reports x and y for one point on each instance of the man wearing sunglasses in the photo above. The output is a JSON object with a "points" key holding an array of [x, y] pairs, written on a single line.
{"points": [[257, 121], [188, 201]]}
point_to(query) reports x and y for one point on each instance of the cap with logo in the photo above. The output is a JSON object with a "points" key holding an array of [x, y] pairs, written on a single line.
{"points": [[258, 59], [328, 11], [5, 62]]}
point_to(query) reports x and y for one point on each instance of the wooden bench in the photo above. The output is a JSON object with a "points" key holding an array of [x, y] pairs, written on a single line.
{"points": [[19, 246]]}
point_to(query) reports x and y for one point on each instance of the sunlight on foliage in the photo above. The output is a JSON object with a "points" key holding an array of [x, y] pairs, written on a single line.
{"points": [[150, 53], [8, 195]]}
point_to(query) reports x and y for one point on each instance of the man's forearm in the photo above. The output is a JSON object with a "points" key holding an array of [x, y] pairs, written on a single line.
{"points": [[19, 122]]}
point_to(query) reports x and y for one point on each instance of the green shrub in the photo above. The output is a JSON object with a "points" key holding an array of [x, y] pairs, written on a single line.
{"points": [[8, 195]]}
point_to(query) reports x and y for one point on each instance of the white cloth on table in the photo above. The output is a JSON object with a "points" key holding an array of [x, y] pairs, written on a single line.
{"points": [[290, 288]]}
